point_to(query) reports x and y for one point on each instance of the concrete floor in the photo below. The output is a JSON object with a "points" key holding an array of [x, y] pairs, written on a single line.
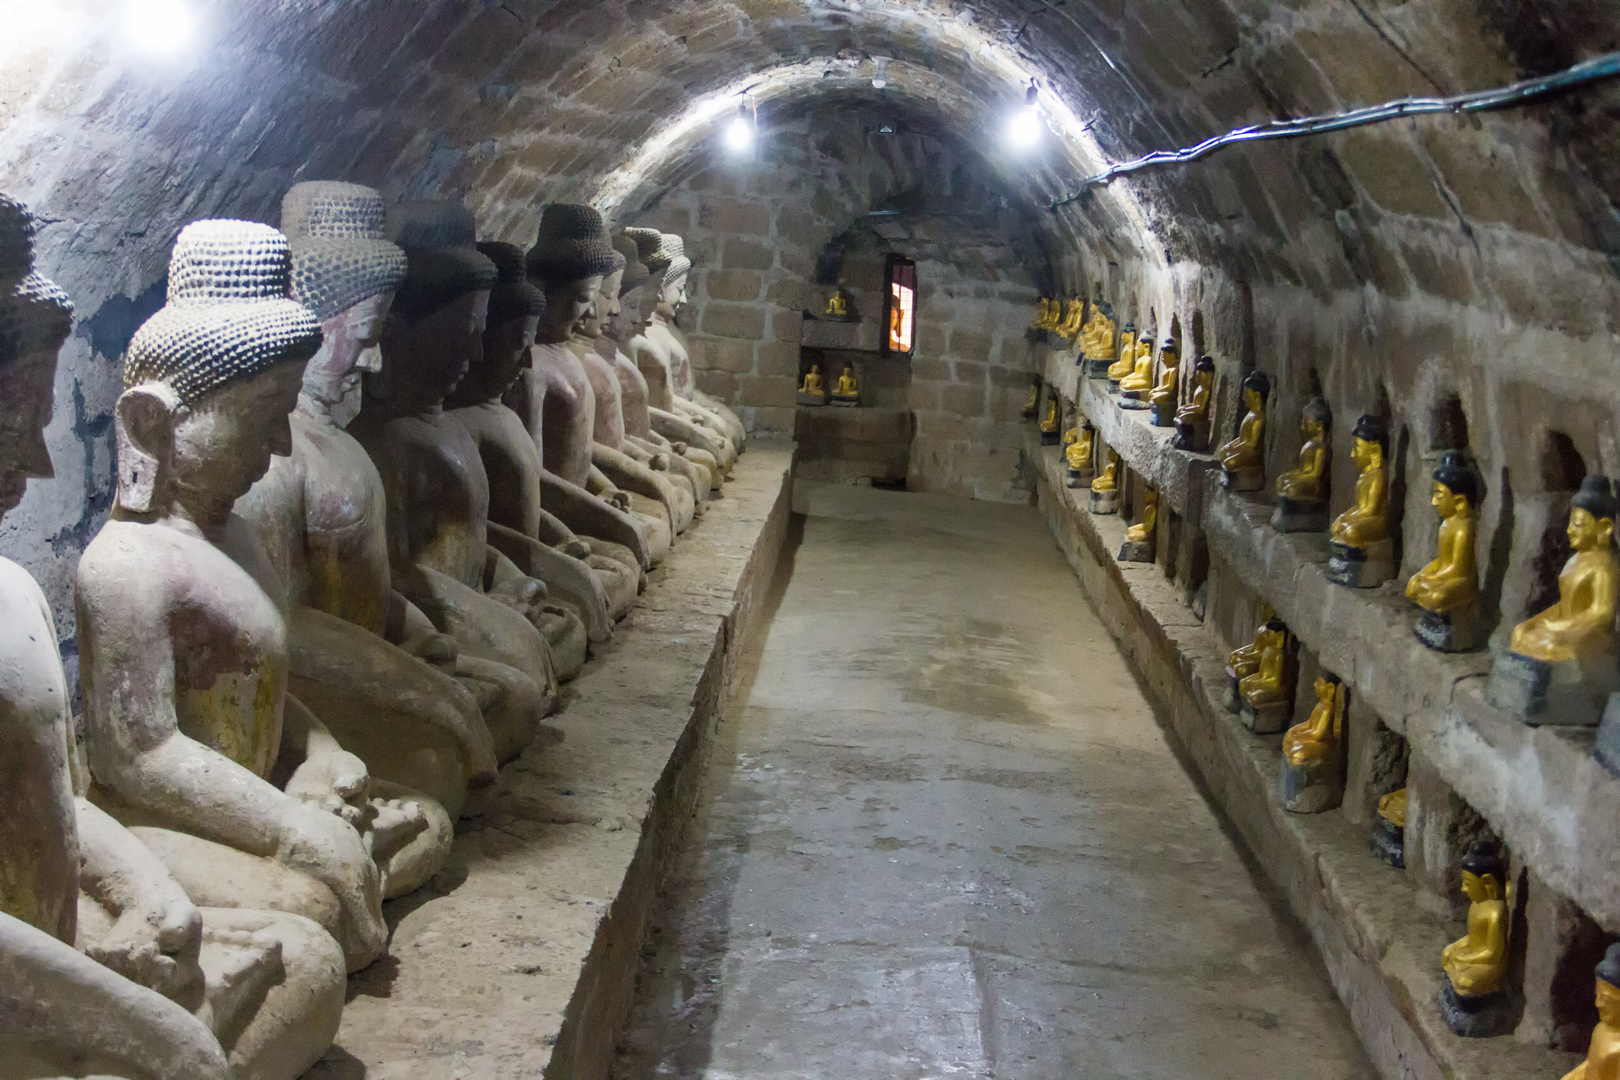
{"points": [[944, 836]]}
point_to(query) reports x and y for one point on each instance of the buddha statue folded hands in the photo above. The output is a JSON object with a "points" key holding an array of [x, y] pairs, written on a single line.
{"points": [[847, 391], [1243, 457], [1078, 452], [1447, 588], [813, 391]]}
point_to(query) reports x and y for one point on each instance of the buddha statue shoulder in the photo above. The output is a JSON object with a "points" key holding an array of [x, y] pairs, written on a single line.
{"points": [[1450, 582], [1367, 520], [1317, 739], [1603, 1052], [183, 653], [1582, 620], [1476, 964]]}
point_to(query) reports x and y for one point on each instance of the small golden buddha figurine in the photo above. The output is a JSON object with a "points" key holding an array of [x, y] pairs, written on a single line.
{"points": [[1097, 337], [1447, 589], [1042, 314], [1105, 487], [1070, 436], [838, 305], [1071, 321], [1267, 686], [1362, 553], [1583, 618], [1127, 355], [1603, 1053], [1245, 660], [1140, 380], [847, 391], [1472, 1000], [1389, 831], [1138, 546], [1049, 423], [1162, 399], [1192, 419], [1317, 739], [1078, 452], [813, 388], [1302, 492], [1243, 458]]}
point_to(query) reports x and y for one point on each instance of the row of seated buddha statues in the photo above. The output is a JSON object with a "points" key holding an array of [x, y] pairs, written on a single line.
{"points": [[379, 489], [1065, 324]]}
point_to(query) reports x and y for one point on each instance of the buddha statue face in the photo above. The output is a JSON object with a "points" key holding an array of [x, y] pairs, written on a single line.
{"points": [[571, 308], [1252, 399], [425, 357], [608, 306], [1365, 454], [1447, 502], [1588, 533], [25, 387], [1480, 887], [1311, 428], [672, 296], [1324, 688], [506, 349], [349, 346]]}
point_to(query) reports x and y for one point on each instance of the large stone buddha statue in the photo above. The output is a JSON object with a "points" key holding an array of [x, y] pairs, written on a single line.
{"points": [[191, 734], [359, 650], [436, 490], [598, 579], [106, 965]]}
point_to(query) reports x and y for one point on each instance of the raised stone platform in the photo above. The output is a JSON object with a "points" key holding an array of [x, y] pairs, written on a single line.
{"points": [[519, 960], [1380, 948]]}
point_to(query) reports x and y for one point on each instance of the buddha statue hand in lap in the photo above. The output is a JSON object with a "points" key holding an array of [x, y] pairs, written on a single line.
{"points": [[1105, 487], [1162, 398], [1362, 550], [1474, 999], [183, 652], [1603, 1052], [1192, 420], [1070, 329], [1310, 781], [1138, 546], [1560, 664], [1127, 356], [1267, 695], [1243, 457], [1302, 492], [1447, 589], [1078, 455]]}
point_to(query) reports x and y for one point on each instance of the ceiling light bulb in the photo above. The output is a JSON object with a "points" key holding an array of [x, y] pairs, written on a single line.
{"points": [[740, 134], [1024, 132], [880, 77], [160, 27]]}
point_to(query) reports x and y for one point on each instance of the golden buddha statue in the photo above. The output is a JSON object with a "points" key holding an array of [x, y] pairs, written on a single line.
{"points": [[1108, 481], [838, 304], [1097, 338], [1243, 458], [812, 382], [1033, 403], [1042, 312], [1476, 964], [1192, 419], [1603, 1053], [1078, 452], [1317, 739], [1582, 621], [1392, 808], [1366, 522], [1450, 583], [1071, 322], [847, 388], [1049, 423], [1307, 481], [1070, 436], [1162, 398], [1126, 363], [1140, 380], [1267, 685]]}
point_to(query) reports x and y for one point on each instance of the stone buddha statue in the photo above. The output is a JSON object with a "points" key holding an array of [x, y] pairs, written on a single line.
{"points": [[1192, 421], [1267, 695], [597, 579], [1603, 1053], [1302, 492], [1078, 454], [1050, 422], [1126, 364], [1447, 589], [620, 322], [106, 966], [1362, 549], [1560, 664], [678, 408], [1138, 546], [812, 386], [1133, 388], [1473, 1001], [437, 490], [192, 738], [1243, 458], [1162, 398], [364, 659]]}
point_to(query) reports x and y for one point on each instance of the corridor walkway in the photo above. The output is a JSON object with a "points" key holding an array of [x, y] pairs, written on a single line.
{"points": [[944, 837]]}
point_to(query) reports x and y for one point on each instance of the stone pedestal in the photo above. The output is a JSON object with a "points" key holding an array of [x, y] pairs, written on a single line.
{"points": [[1164, 413], [1078, 478], [1243, 480], [1132, 400], [1098, 369], [811, 399], [1136, 551], [1104, 502], [1573, 693], [1389, 843], [1113, 386], [1460, 631], [1050, 438], [1607, 750], [1361, 568], [847, 402], [1266, 719], [1311, 788], [1298, 515], [1477, 1017], [1192, 436], [1232, 700]]}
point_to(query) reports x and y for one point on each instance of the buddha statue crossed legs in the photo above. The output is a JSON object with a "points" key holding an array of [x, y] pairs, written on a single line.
{"points": [[1126, 363]]}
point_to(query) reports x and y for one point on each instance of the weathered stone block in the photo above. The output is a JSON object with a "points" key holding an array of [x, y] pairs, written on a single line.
{"points": [[732, 284], [963, 400], [970, 344], [734, 321], [735, 216], [740, 254], [770, 392]]}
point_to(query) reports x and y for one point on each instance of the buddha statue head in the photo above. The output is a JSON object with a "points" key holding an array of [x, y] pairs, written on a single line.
{"points": [[608, 307], [1256, 388], [623, 316], [1369, 441], [1608, 987], [211, 378], [569, 260], [1457, 489], [434, 330], [1591, 515], [676, 268], [35, 319], [515, 309], [346, 273], [648, 242], [1315, 420], [1169, 353], [1483, 874]]}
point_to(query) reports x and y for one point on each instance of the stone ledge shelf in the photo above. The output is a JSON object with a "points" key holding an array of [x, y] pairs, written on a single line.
{"points": [[849, 336], [1538, 787], [1380, 948], [520, 957]]}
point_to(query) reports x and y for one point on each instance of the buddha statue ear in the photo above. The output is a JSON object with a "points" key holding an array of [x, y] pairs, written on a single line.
{"points": [[143, 422]]}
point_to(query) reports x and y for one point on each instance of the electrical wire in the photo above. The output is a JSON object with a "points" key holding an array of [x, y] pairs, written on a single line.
{"points": [[1598, 68]]}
